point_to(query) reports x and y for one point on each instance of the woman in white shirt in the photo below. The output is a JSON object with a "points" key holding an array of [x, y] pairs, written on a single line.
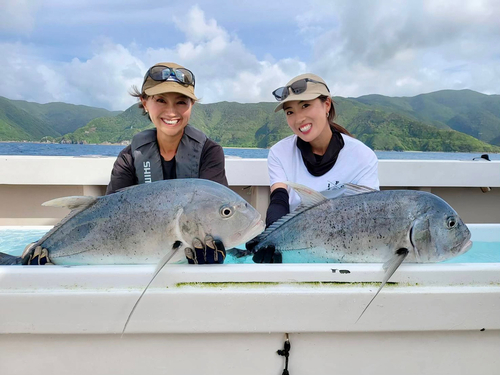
{"points": [[321, 154]]}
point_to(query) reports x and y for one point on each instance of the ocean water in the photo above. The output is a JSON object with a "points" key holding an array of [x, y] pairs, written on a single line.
{"points": [[13, 240], [43, 149]]}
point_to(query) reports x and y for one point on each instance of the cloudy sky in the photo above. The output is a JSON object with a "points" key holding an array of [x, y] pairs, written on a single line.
{"points": [[92, 51]]}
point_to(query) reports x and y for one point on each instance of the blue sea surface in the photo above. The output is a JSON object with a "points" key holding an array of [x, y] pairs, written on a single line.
{"points": [[48, 149]]}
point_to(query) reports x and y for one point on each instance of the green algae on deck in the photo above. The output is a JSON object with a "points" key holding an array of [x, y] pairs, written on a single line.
{"points": [[257, 284]]}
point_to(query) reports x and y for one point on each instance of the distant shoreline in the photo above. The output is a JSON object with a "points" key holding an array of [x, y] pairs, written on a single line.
{"points": [[241, 148]]}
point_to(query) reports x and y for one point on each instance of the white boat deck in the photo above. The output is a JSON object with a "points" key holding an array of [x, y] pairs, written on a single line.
{"points": [[231, 319]]}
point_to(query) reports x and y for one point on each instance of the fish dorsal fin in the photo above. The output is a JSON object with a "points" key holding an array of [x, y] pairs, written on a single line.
{"points": [[390, 267], [308, 196], [353, 189], [75, 202], [347, 189], [278, 223]]}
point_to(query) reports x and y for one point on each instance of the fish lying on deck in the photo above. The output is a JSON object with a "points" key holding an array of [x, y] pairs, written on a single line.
{"points": [[144, 223], [362, 225], [148, 223]]}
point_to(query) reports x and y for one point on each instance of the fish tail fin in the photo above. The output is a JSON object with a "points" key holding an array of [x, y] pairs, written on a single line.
{"points": [[390, 266], [7, 260]]}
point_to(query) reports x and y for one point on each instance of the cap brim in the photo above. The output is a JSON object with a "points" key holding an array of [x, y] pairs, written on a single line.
{"points": [[166, 87], [304, 96]]}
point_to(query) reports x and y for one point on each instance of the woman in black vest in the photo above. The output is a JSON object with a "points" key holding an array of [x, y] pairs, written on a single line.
{"points": [[173, 149]]}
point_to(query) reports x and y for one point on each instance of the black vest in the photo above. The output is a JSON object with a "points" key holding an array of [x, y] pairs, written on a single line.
{"points": [[147, 160]]}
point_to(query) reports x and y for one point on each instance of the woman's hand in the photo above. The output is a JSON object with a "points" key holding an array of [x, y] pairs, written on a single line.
{"points": [[209, 252], [266, 254], [37, 257]]}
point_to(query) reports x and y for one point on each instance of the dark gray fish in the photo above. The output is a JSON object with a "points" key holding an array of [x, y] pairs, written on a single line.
{"points": [[359, 225]]}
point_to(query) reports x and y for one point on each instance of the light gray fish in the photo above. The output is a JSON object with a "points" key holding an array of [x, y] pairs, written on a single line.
{"points": [[360, 225], [144, 223], [147, 223]]}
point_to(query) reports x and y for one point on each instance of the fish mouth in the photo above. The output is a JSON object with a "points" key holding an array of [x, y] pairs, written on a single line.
{"points": [[466, 247], [255, 228]]}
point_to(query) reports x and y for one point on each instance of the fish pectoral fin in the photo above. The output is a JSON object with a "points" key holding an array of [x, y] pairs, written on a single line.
{"points": [[71, 202], [390, 267], [159, 267]]}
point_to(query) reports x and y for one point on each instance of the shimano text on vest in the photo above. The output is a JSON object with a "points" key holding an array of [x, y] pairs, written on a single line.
{"points": [[147, 172]]}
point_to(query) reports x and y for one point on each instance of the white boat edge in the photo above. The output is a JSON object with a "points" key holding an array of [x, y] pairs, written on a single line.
{"points": [[435, 319]]}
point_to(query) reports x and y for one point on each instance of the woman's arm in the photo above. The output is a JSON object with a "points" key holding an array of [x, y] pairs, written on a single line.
{"points": [[369, 175], [212, 164], [279, 204], [123, 172]]}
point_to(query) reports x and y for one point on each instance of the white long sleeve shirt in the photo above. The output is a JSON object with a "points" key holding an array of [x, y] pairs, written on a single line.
{"points": [[356, 164]]}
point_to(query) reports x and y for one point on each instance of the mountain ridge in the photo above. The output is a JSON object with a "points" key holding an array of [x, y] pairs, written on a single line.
{"points": [[445, 120]]}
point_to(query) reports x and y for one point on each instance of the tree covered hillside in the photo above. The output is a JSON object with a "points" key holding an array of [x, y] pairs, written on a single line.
{"points": [[19, 125], [63, 117], [465, 111], [440, 121]]}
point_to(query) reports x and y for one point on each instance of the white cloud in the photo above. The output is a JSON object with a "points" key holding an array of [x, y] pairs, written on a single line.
{"points": [[18, 16], [361, 47], [224, 68], [406, 48], [101, 81]]}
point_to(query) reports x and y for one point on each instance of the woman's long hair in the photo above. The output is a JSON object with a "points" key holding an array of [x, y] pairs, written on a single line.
{"points": [[331, 118]]}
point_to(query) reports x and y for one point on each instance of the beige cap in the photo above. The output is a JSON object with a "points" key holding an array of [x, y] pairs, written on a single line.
{"points": [[313, 90], [152, 87]]}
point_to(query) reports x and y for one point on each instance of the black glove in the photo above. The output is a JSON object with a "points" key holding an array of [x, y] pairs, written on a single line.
{"points": [[210, 252], [266, 254], [37, 257]]}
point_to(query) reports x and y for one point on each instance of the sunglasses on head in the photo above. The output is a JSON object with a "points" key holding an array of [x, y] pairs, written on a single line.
{"points": [[298, 87], [164, 73]]}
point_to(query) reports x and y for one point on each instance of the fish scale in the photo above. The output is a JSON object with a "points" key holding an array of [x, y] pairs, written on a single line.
{"points": [[371, 227], [141, 224]]}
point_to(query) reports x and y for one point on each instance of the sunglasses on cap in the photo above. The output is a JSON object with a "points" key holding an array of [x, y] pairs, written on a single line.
{"points": [[298, 87], [164, 73]]}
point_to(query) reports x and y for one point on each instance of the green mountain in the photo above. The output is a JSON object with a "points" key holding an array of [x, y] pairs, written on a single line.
{"points": [[111, 129], [19, 125], [465, 111], [256, 125], [230, 124], [440, 121], [391, 131], [64, 118]]}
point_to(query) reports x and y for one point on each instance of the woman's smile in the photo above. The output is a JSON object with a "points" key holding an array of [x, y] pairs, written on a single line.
{"points": [[170, 122], [304, 129]]}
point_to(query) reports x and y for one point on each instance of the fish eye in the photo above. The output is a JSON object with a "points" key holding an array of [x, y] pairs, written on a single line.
{"points": [[451, 222], [226, 211]]}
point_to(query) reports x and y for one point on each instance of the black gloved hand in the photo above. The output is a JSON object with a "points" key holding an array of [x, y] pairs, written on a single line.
{"points": [[266, 254], [209, 252], [37, 256]]}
